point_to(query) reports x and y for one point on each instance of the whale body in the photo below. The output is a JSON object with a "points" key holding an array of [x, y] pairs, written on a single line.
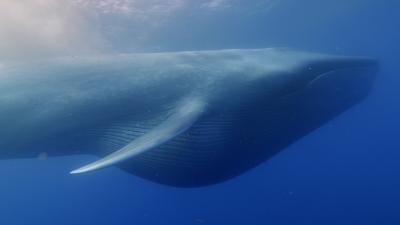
{"points": [[184, 119]]}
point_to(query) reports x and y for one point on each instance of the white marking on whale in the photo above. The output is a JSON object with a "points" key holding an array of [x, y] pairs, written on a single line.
{"points": [[182, 119]]}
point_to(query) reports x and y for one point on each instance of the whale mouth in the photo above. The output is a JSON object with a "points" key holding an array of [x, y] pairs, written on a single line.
{"points": [[354, 71], [339, 89], [356, 77]]}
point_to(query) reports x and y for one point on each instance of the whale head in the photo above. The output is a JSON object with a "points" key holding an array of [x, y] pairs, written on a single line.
{"points": [[259, 108]]}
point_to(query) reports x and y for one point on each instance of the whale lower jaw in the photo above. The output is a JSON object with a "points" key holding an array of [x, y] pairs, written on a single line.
{"points": [[216, 149]]}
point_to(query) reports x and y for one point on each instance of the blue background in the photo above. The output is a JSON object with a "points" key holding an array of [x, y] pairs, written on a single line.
{"points": [[346, 172]]}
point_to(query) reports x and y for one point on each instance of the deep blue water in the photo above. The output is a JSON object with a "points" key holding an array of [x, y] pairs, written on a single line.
{"points": [[344, 173]]}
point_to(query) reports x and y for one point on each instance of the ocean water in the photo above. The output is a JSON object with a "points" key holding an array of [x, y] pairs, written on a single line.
{"points": [[344, 173]]}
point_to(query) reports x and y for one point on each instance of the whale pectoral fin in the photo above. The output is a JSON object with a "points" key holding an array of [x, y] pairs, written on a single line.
{"points": [[178, 122]]}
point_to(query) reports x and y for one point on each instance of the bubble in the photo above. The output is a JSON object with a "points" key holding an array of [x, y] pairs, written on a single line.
{"points": [[43, 156]]}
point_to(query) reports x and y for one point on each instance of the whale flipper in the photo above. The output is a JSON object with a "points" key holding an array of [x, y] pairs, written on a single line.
{"points": [[178, 122]]}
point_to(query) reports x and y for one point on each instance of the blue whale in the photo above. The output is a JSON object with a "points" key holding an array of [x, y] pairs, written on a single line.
{"points": [[184, 119]]}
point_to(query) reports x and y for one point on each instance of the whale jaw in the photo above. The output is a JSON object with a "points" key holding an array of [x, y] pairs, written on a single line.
{"points": [[217, 148]]}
